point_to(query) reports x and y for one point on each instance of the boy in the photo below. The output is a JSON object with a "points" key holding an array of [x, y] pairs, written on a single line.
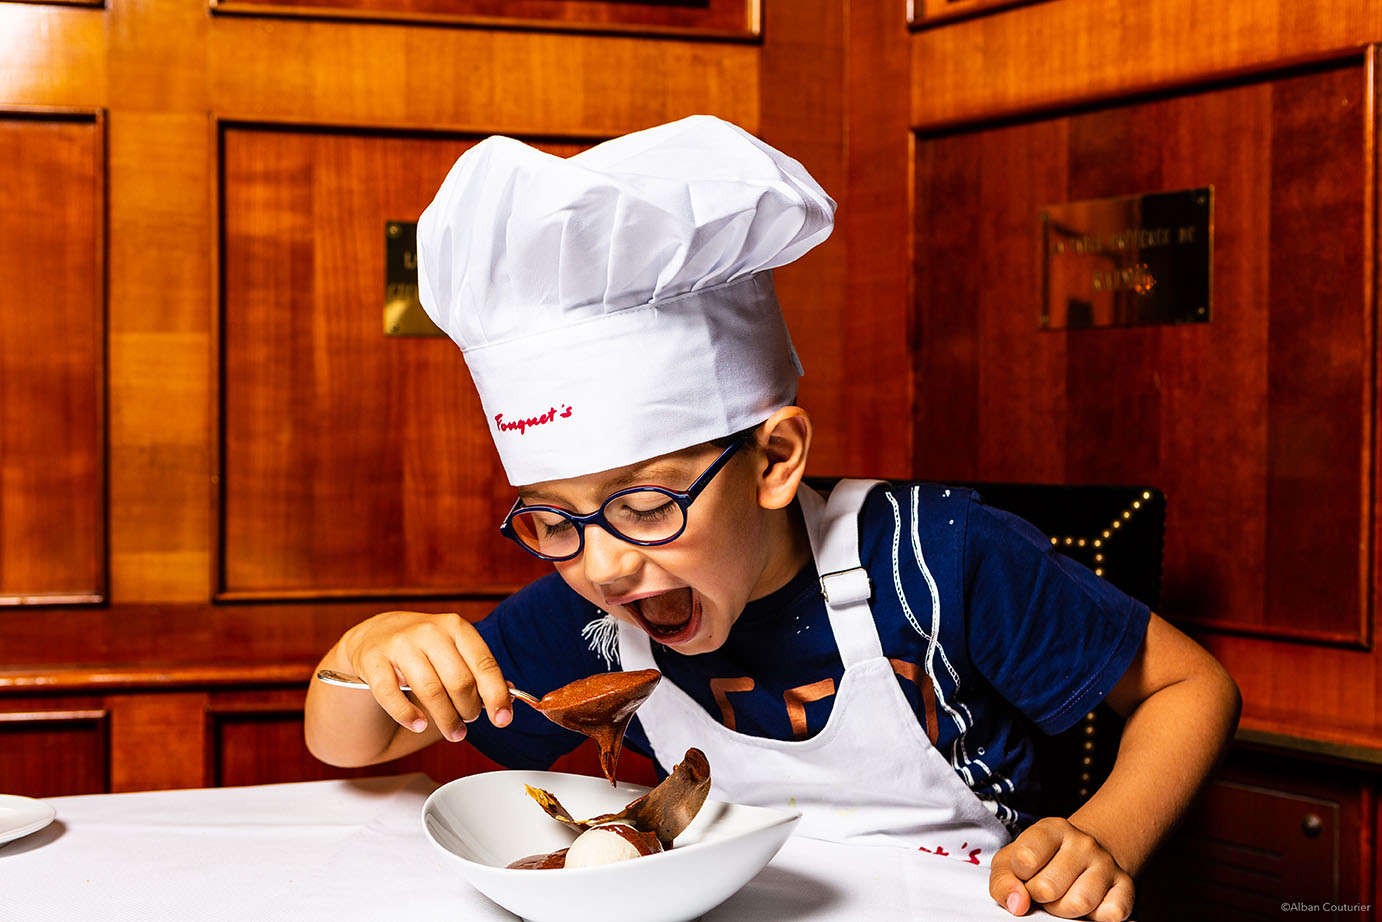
{"points": [[881, 661]]}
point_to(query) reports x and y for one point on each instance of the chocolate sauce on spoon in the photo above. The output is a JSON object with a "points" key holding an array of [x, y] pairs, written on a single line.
{"points": [[600, 706]]}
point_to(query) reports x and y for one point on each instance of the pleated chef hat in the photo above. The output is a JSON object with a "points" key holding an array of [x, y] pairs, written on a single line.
{"points": [[618, 304]]}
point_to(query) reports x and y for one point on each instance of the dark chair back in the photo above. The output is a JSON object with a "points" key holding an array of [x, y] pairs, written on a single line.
{"points": [[1118, 532]]}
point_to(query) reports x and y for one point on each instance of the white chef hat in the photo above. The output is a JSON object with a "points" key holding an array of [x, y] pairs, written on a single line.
{"points": [[618, 304]]}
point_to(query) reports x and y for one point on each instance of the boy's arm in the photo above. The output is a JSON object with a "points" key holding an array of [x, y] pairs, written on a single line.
{"points": [[1181, 707]]}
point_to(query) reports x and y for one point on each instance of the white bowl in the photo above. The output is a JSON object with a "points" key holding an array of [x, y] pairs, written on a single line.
{"points": [[485, 821]]}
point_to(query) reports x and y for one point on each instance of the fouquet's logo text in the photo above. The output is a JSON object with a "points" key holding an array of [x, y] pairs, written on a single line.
{"points": [[521, 426]]}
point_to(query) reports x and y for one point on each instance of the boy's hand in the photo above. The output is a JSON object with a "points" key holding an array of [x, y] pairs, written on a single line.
{"points": [[1065, 870], [451, 671]]}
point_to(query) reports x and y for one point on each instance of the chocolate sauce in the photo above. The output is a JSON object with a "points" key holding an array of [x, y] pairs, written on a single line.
{"points": [[547, 862], [645, 843], [601, 706]]}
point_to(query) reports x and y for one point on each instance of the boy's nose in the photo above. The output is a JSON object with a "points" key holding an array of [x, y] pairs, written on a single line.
{"points": [[608, 559]]}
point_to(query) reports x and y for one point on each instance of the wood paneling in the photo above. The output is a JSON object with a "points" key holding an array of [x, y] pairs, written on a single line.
{"points": [[926, 14], [1074, 50], [1019, 67], [866, 429], [54, 747], [145, 755], [709, 18], [145, 643], [52, 56], [52, 238], [1223, 417], [803, 112], [355, 463], [467, 80]]}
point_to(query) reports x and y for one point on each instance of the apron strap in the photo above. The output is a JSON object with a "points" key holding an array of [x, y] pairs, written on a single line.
{"points": [[833, 527]]}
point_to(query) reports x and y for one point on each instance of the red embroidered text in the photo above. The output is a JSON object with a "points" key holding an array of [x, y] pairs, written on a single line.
{"points": [[521, 425]]}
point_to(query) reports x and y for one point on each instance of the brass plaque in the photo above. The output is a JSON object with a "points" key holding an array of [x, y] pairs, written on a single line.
{"points": [[1128, 261], [403, 313]]}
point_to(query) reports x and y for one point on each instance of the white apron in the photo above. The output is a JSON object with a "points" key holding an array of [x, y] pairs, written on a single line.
{"points": [[871, 775]]}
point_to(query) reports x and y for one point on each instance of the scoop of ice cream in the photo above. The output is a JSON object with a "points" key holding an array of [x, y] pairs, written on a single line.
{"points": [[609, 843]]}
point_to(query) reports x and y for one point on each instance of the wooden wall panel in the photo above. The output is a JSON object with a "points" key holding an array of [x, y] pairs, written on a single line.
{"points": [[145, 755], [52, 56], [866, 429], [476, 81], [52, 315], [354, 462], [927, 14], [719, 18], [1223, 416], [54, 747], [803, 113], [1052, 53]]}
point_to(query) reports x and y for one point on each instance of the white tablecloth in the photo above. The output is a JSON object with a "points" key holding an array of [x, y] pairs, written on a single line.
{"points": [[354, 851]]}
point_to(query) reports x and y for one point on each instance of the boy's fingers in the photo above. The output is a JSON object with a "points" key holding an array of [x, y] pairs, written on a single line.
{"points": [[1058, 880], [458, 686], [1102, 892], [1035, 847], [433, 696], [486, 674], [383, 684], [1007, 891], [1081, 897], [1117, 903]]}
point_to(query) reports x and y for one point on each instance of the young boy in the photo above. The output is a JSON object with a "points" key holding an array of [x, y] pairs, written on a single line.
{"points": [[882, 662]]}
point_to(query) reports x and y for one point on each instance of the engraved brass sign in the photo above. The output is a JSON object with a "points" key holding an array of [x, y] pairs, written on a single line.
{"points": [[1128, 261], [403, 313]]}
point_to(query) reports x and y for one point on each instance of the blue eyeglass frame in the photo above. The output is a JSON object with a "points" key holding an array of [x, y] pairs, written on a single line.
{"points": [[682, 499]]}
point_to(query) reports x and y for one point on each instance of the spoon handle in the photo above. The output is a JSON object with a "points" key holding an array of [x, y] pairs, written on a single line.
{"points": [[525, 697], [346, 680]]}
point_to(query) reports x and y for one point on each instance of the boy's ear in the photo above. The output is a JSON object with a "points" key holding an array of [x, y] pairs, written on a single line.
{"points": [[785, 439]]}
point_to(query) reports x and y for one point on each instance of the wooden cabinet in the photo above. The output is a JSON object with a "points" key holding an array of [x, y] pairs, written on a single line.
{"points": [[1271, 830]]}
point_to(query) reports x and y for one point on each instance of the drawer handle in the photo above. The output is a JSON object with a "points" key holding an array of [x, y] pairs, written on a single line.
{"points": [[1312, 825]]}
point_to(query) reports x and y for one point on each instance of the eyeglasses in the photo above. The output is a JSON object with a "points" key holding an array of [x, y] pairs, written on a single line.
{"points": [[642, 515]]}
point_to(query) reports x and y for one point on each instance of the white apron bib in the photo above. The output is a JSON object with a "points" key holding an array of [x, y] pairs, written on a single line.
{"points": [[871, 775]]}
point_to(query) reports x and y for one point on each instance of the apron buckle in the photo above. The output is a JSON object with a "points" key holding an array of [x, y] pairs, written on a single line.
{"points": [[846, 587]]}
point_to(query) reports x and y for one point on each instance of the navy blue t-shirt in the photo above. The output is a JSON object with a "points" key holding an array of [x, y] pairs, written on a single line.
{"points": [[1026, 640]]}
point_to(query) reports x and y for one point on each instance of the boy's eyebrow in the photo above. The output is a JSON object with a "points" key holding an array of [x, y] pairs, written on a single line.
{"points": [[653, 475], [649, 475]]}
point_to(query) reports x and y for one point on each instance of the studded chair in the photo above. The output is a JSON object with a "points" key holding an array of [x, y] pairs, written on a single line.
{"points": [[1117, 532]]}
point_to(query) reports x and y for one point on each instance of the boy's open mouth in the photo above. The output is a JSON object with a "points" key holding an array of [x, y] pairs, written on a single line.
{"points": [[670, 617]]}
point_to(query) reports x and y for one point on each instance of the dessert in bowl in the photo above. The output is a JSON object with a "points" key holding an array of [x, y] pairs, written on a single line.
{"points": [[485, 822]]}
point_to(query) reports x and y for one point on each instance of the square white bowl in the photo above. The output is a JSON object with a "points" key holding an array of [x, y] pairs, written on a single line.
{"points": [[483, 822]]}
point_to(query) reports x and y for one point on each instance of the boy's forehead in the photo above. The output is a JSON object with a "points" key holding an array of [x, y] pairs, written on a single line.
{"points": [[660, 471]]}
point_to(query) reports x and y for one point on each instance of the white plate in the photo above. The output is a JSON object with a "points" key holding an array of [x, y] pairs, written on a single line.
{"points": [[482, 822], [20, 816]]}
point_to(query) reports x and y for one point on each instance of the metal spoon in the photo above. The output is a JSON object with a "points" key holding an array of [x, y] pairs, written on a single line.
{"points": [[346, 680]]}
